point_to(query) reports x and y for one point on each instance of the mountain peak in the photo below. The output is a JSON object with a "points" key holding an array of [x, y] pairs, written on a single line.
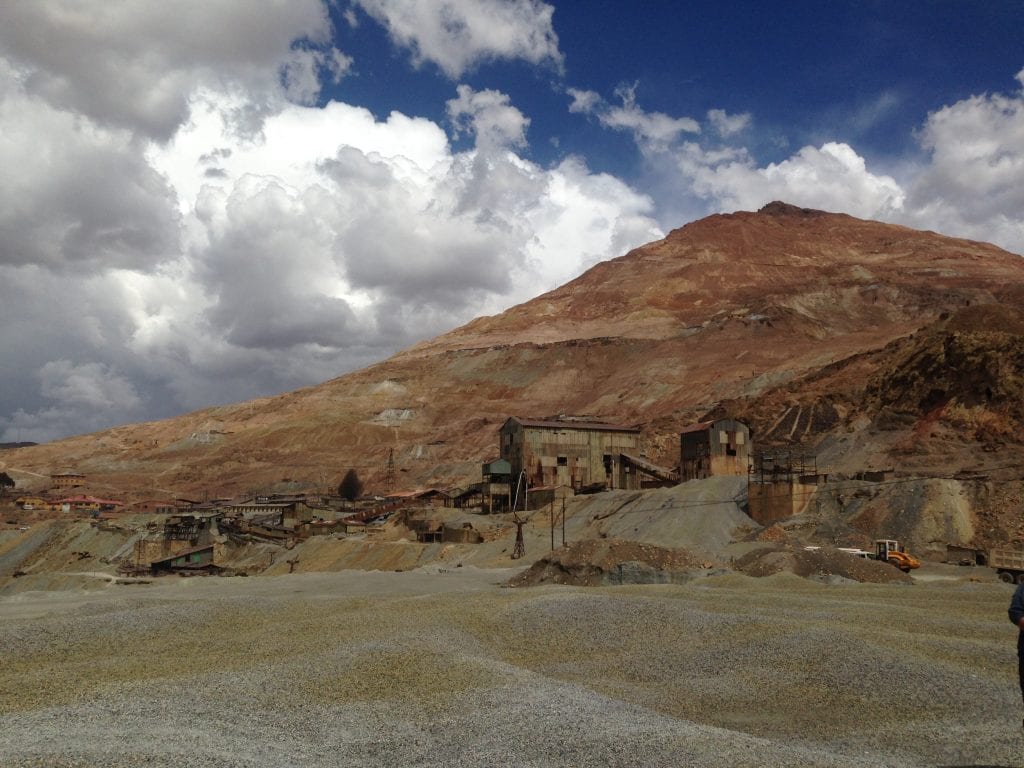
{"points": [[779, 208], [749, 308]]}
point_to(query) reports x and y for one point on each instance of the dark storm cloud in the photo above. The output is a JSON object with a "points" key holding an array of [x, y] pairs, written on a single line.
{"points": [[135, 64], [74, 196]]}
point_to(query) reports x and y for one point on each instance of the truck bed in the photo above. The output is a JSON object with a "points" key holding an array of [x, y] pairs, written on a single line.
{"points": [[1009, 558]]}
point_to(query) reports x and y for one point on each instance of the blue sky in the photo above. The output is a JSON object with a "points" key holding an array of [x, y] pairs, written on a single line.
{"points": [[808, 72], [202, 204]]}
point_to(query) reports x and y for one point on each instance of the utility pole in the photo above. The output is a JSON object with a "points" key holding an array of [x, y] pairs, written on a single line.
{"points": [[551, 513], [389, 472], [519, 550], [563, 521]]}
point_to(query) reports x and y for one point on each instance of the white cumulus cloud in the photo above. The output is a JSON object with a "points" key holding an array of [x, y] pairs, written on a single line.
{"points": [[972, 183], [726, 124], [653, 131], [490, 116], [832, 177], [458, 35], [967, 184]]}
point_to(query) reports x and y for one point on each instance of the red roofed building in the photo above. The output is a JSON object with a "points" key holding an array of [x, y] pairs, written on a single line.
{"points": [[87, 504]]}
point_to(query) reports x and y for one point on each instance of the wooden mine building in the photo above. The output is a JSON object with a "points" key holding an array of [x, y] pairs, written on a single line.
{"points": [[565, 452], [496, 487], [714, 448]]}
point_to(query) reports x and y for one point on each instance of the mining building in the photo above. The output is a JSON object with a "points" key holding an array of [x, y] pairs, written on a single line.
{"points": [[714, 448], [572, 453]]}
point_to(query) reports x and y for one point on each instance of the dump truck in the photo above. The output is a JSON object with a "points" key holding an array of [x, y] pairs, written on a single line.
{"points": [[890, 551], [1009, 563]]}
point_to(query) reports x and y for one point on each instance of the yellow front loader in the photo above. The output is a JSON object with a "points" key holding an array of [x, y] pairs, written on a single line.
{"points": [[890, 551]]}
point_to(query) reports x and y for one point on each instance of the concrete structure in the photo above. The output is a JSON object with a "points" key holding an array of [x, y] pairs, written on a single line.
{"points": [[714, 448], [577, 454], [961, 555], [782, 482]]}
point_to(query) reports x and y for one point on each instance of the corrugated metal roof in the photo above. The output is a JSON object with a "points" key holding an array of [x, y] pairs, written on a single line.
{"points": [[593, 426], [89, 500], [701, 427], [184, 553]]}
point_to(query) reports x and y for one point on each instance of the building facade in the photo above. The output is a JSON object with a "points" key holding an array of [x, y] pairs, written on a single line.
{"points": [[63, 480], [496, 487], [783, 482], [577, 454], [714, 448]]}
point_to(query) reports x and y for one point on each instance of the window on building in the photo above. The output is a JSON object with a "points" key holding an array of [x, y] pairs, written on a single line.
{"points": [[563, 461]]}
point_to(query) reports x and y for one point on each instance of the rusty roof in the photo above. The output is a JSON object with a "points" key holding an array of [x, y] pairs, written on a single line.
{"points": [[81, 499], [701, 427], [183, 553], [593, 426]]}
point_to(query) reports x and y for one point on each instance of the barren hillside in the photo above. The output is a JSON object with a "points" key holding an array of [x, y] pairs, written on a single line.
{"points": [[754, 313]]}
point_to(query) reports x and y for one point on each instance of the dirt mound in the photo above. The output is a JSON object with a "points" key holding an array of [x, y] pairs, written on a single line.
{"points": [[611, 561], [987, 318], [771, 533], [818, 563]]}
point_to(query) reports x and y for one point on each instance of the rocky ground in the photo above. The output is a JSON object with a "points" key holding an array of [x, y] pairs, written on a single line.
{"points": [[721, 644], [447, 667]]}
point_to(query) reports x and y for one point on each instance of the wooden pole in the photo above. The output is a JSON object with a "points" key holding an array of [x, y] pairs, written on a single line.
{"points": [[551, 512], [563, 521]]}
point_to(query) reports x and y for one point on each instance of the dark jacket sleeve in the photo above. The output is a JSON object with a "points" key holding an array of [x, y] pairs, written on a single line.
{"points": [[1016, 611]]}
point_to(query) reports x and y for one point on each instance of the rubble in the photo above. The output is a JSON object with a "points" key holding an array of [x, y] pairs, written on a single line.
{"points": [[612, 561], [820, 563]]}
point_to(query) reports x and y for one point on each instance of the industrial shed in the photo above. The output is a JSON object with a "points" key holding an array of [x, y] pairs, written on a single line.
{"points": [[199, 559], [496, 486], [714, 448], [567, 452]]}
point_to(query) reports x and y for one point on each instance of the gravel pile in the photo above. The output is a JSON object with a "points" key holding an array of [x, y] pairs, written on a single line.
{"points": [[450, 669], [612, 561], [825, 563]]}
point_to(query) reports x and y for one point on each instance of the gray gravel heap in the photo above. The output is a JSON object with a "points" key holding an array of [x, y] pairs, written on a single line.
{"points": [[450, 669]]}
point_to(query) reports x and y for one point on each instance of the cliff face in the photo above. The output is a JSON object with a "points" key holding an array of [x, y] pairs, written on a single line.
{"points": [[803, 322]]}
